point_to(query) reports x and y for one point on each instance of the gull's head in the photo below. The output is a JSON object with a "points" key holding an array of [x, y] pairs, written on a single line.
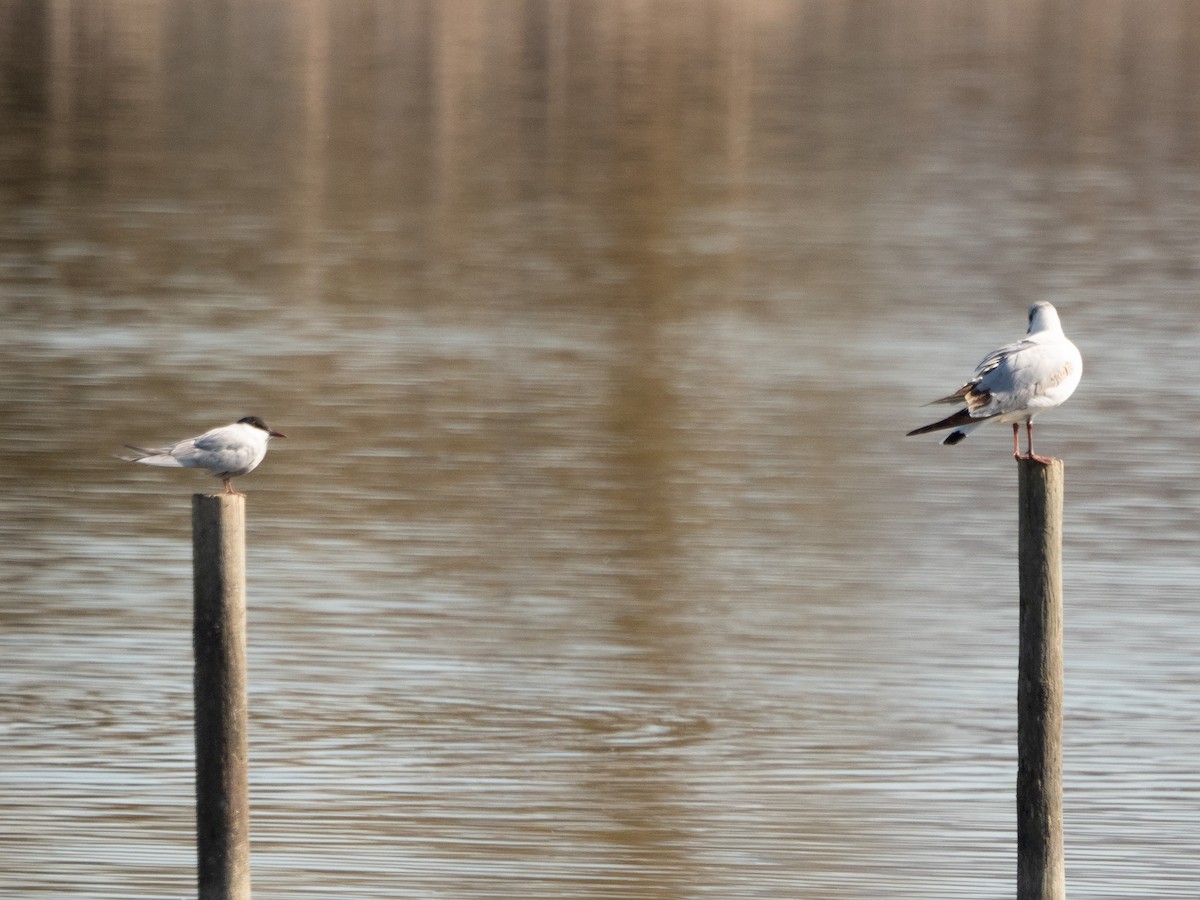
{"points": [[1043, 317], [256, 422]]}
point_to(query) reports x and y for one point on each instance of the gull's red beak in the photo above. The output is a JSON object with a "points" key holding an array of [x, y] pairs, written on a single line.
{"points": [[276, 434]]}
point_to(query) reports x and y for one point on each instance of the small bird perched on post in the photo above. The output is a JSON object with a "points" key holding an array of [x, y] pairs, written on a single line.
{"points": [[1017, 382], [227, 452]]}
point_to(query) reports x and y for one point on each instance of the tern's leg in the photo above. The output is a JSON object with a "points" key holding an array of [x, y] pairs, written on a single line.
{"points": [[228, 486], [1029, 435], [1016, 448]]}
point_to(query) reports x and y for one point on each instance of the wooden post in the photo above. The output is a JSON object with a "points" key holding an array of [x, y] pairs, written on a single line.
{"points": [[1040, 870], [219, 636]]}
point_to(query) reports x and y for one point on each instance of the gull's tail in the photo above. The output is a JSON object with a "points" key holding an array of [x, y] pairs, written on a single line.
{"points": [[961, 421], [159, 457]]}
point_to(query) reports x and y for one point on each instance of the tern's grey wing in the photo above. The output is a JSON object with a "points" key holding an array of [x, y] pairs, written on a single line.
{"points": [[148, 451], [150, 456], [222, 452], [214, 441], [189, 455]]}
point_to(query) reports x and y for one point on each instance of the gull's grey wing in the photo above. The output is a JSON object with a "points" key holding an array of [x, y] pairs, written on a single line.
{"points": [[1016, 376], [972, 393]]}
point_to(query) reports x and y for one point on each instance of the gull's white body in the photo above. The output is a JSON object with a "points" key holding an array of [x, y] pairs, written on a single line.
{"points": [[1018, 381], [226, 452]]}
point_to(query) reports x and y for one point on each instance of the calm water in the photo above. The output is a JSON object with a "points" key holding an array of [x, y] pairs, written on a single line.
{"points": [[595, 564]]}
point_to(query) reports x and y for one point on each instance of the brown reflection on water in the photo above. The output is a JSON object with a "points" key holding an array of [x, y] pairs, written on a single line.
{"points": [[595, 565]]}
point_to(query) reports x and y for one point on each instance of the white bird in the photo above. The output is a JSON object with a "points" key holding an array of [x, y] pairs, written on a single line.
{"points": [[1017, 382], [226, 452]]}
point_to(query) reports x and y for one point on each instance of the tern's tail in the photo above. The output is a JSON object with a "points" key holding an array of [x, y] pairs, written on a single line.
{"points": [[159, 457]]}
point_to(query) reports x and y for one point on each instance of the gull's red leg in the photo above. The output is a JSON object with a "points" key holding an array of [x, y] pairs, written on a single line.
{"points": [[1016, 448], [1045, 461]]}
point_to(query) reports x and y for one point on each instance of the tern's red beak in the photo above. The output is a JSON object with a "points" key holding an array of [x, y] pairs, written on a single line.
{"points": [[276, 434]]}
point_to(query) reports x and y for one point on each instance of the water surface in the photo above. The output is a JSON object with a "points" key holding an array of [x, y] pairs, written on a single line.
{"points": [[595, 564]]}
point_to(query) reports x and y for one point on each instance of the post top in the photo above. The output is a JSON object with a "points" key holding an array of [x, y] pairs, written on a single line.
{"points": [[220, 498], [1044, 462]]}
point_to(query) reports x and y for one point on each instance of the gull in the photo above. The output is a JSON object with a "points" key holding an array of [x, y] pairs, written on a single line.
{"points": [[1017, 382], [226, 452]]}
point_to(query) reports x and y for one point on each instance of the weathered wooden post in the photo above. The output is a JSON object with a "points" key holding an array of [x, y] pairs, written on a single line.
{"points": [[219, 636], [1040, 867]]}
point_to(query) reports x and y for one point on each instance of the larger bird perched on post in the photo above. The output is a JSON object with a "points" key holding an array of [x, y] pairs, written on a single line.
{"points": [[226, 452], [1017, 382]]}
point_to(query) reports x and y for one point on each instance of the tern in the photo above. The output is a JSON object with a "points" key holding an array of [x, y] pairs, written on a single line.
{"points": [[1017, 382], [227, 452]]}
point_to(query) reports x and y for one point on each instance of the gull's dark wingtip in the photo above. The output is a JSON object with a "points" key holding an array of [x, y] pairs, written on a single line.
{"points": [[962, 417]]}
